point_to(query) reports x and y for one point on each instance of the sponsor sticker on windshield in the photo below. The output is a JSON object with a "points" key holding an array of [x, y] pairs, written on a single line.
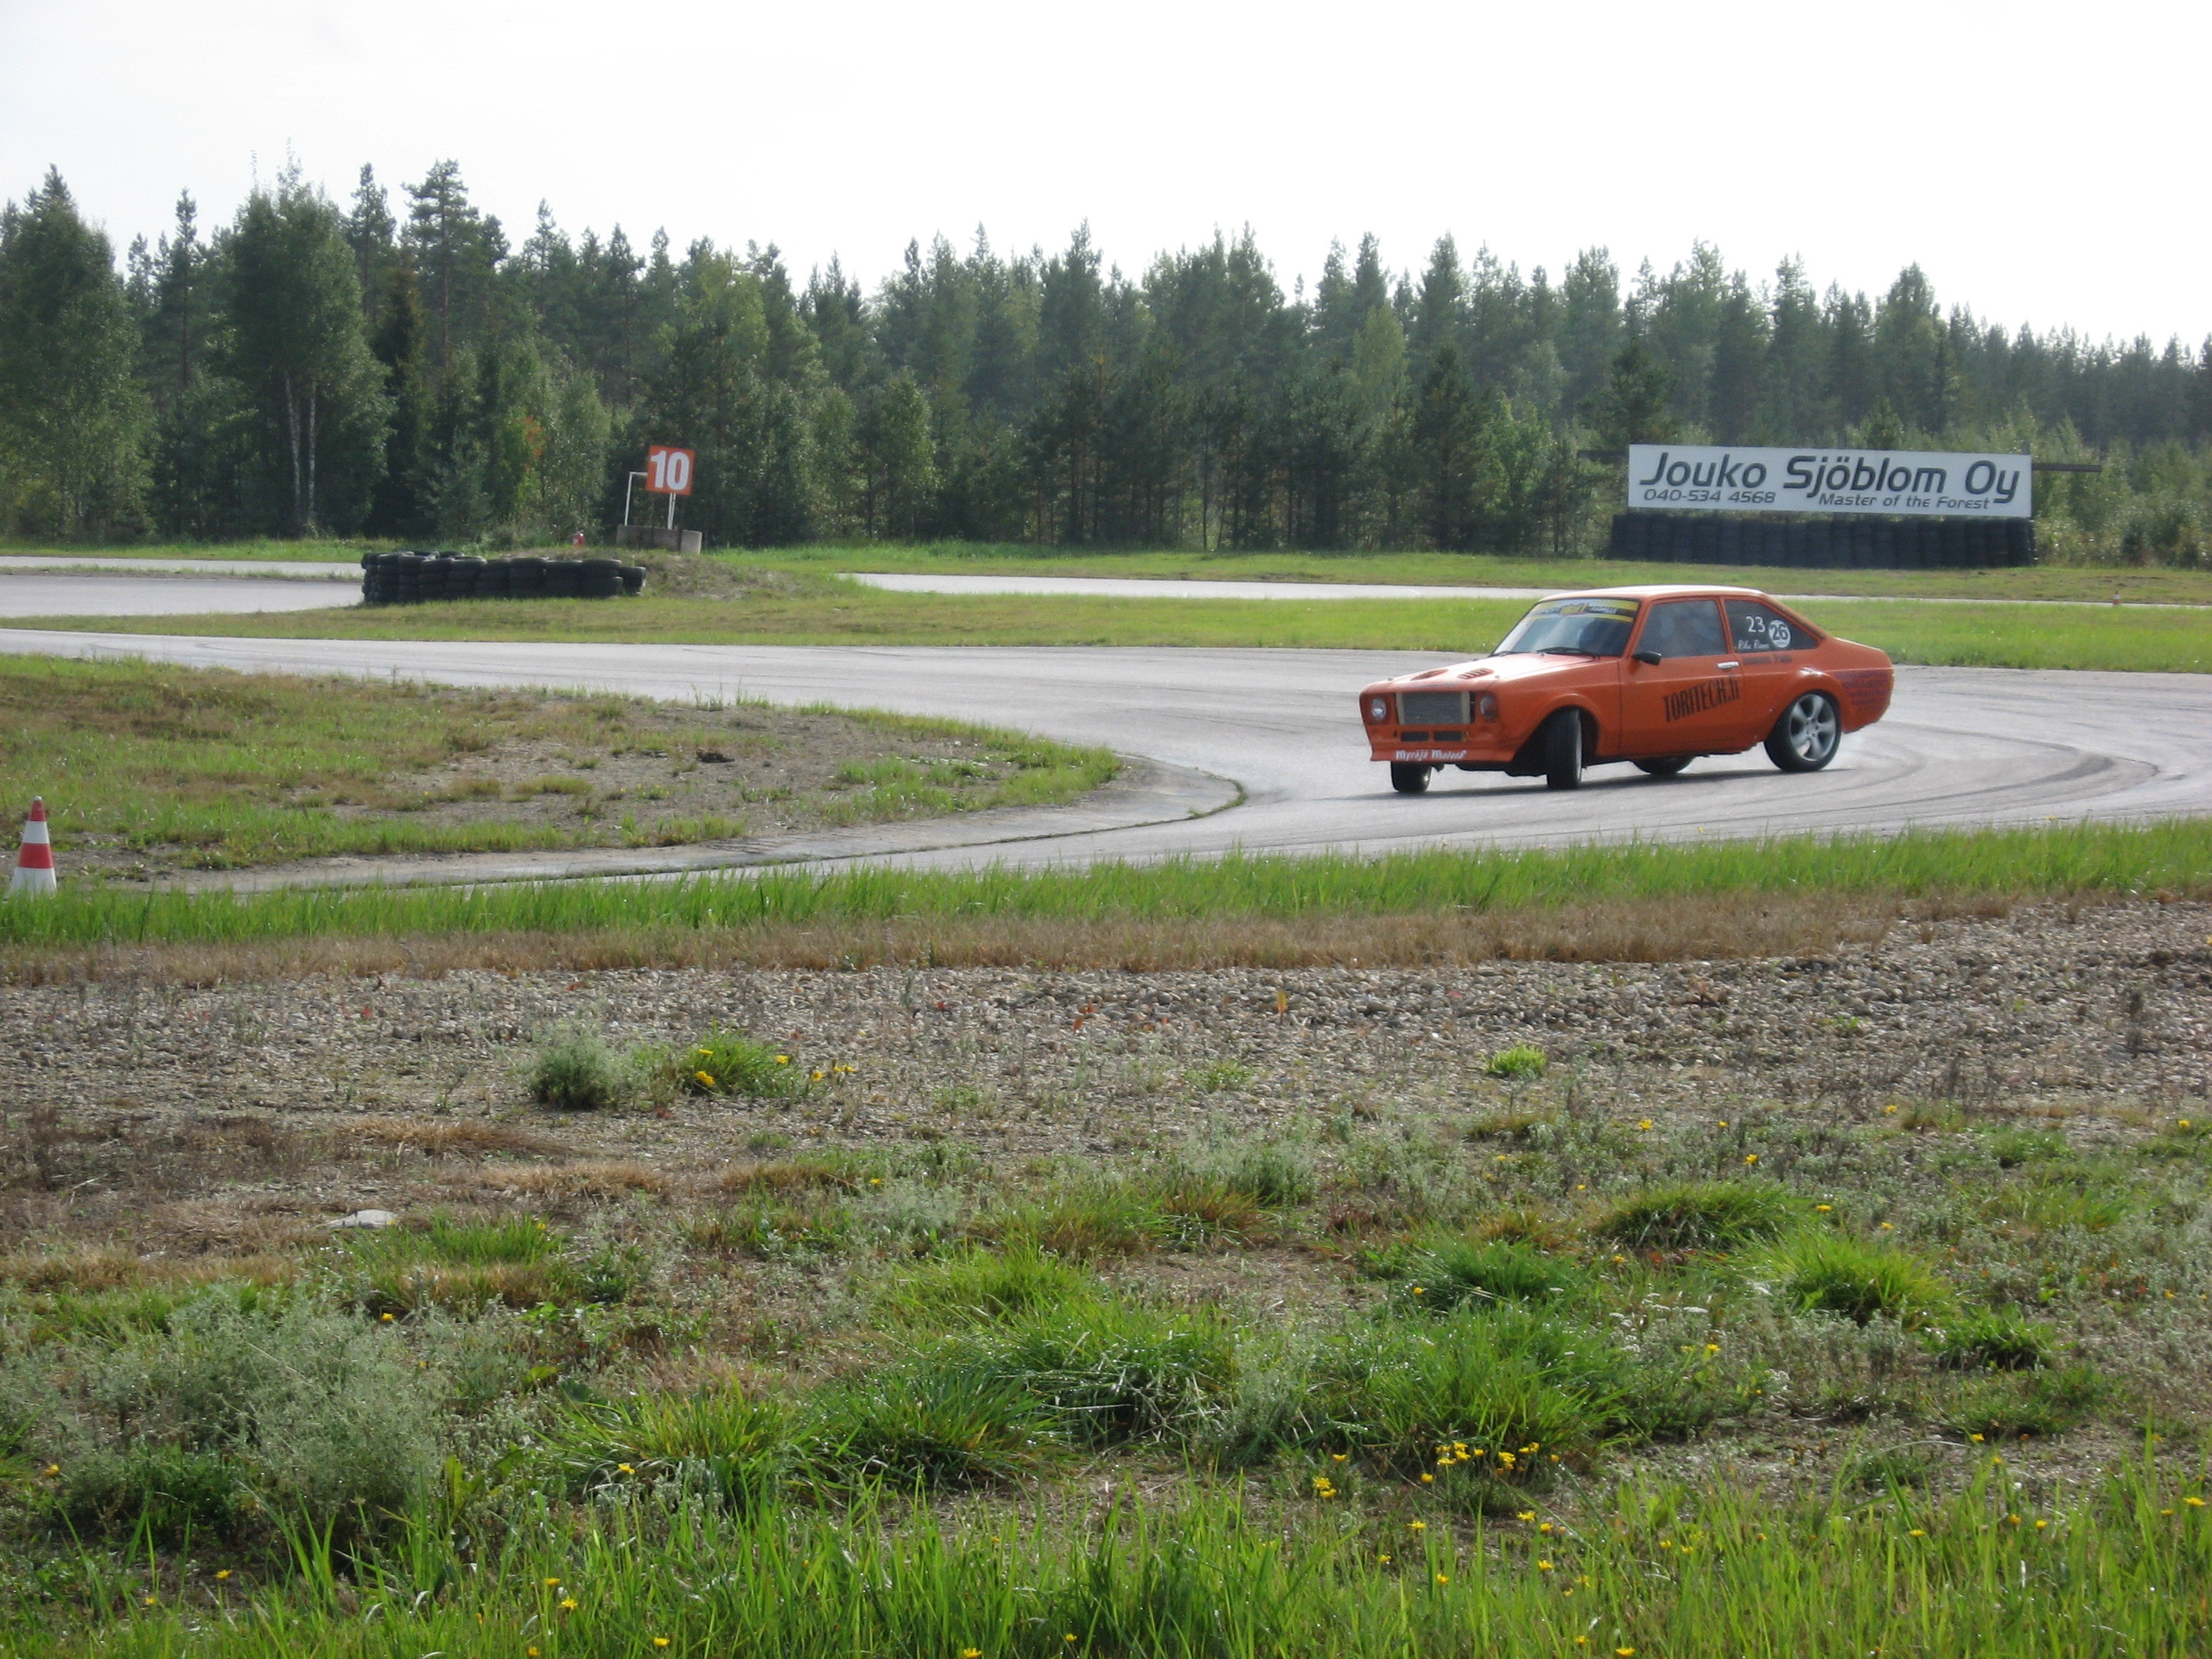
{"points": [[1623, 608]]}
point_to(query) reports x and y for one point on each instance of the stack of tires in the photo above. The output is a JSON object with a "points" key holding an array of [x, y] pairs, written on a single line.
{"points": [[1837, 544], [414, 578]]}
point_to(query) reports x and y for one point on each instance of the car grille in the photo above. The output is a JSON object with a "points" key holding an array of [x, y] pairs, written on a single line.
{"points": [[1428, 705]]}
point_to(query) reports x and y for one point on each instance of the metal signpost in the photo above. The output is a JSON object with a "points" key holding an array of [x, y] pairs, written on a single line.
{"points": [[668, 472]]}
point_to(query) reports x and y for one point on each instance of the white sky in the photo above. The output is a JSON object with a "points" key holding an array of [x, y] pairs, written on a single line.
{"points": [[2044, 163]]}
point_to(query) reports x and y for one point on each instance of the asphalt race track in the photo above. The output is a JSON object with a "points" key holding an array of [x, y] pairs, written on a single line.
{"points": [[1958, 746]]}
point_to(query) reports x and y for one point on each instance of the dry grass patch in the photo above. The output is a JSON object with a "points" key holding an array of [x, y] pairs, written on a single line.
{"points": [[786, 1174], [443, 1139], [600, 1180], [87, 1269], [1725, 926]]}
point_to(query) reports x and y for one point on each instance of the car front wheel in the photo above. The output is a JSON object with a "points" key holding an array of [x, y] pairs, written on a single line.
{"points": [[1563, 750], [1408, 779], [1806, 738]]}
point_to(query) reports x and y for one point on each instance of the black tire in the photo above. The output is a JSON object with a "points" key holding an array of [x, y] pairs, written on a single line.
{"points": [[1666, 767], [1563, 750], [1808, 735], [1408, 778]]}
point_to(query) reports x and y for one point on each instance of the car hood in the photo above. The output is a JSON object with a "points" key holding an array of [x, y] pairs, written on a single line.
{"points": [[1496, 671]]}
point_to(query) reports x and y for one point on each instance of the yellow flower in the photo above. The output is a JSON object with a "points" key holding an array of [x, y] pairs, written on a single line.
{"points": [[1338, 1457], [1525, 1515], [624, 1468], [1384, 1560], [1824, 1208], [1887, 1228], [1750, 1157], [2184, 1123], [1546, 1527], [2194, 1502], [706, 1079], [1976, 1438], [1918, 1533], [387, 1318], [1419, 1291], [1543, 1567], [702, 1051], [783, 1060], [971, 1653], [2041, 1525], [660, 1641], [1428, 1479], [569, 1604], [531, 1652], [224, 1574], [1643, 1123], [1887, 1110], [1417, 1526], [54, 1469], [1712, 1347], [1625, 1653], [817, 1077], [1724, 1123], [552, 1583], [1443, 1579], [1070, 1636], [1618, 1259]]}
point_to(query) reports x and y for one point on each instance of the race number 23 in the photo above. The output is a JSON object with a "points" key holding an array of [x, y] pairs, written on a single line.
{"points": [[668, 472]]}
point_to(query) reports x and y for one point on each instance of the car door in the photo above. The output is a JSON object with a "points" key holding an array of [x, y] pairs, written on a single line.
{"points": [[1769, 649], [1689, 701]]}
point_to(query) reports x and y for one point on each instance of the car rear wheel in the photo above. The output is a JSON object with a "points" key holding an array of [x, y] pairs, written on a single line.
{"points": [[1408, 779], [1806, 738], [1563, 750], [1666, 766]]}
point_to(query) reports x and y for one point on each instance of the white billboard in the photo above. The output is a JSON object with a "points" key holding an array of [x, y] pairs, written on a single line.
{"points": [[1707, 477]]}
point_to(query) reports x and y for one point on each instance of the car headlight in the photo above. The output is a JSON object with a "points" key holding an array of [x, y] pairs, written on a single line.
{"points": [[1378, 710], [1486, 706]]}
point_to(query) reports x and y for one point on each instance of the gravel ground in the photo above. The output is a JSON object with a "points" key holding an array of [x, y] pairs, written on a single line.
{"points": [[133, 1107]]}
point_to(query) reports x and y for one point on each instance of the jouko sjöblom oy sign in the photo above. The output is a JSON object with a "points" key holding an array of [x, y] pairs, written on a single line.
{"points": [[1706, 477]]}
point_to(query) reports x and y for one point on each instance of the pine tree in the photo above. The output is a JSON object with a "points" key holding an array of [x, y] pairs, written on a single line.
{"points": [[1636, 406], [72, 418], [1447, 450]]}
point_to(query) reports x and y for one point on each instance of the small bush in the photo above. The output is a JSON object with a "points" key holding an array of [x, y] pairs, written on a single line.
{"points": [[982, 1285], [1522, 1060], [726, 1063], [1219, 1077], [173, 1491], [1901, 1468], [1499, 1384], [1993, 1341], [1095, 1222], [2013, 1147], [2030, 1403], [1112, 1371], [575, 1071], [776, 1231], [937, 1421], [461, 1266], [725, 1442], [1698, 1215], [1830, 1272], [1452, 1273]]}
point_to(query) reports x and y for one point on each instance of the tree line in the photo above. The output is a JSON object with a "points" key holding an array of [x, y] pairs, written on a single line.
{"points": [[397, 366]]}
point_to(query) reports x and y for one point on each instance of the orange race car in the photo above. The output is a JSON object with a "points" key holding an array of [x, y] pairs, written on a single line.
{"points": [[1653, 676]]}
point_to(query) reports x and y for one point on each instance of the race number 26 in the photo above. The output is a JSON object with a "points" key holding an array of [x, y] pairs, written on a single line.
{"points": [[668, 472]]}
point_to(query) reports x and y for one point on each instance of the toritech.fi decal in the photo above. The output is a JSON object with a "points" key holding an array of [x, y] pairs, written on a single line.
{"points": [[1709, 694]]}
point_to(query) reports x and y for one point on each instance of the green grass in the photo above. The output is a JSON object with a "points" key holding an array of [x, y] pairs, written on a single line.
{"points": [[810, 610], [2173, 856], [2044, 581], [261, 550], [208, 768]]}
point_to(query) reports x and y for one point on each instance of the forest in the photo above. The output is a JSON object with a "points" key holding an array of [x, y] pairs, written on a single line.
{"points": [[395, 366]]}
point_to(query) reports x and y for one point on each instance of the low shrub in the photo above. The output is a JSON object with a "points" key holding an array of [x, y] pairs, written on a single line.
{"points": [[776, 1231], [576, 1071], [1109, 1371], [978, 1285], [936, 1420], [235, 1412], [1995, 1339], [462, 1265], [725, 1442], [1450, 1274], [1523, 1060], [1097, 1221], [2028, 1404], [1514, 1388], [728, 1063], [1698, 1215], [1833, 1272]]}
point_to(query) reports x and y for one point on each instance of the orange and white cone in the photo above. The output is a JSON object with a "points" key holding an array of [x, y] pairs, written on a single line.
{"points": [[34, 859]]}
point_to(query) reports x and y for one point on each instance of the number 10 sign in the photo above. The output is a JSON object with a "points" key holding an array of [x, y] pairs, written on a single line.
{"points": [[668, 472]]}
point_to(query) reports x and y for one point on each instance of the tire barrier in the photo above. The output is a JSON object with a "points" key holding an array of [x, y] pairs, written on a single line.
{"points": [[1824, 543], [417, 578]]}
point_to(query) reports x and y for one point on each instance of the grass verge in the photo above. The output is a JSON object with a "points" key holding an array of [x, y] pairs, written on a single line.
{"points": [[872, 914], [809, 609], [147, 767]]}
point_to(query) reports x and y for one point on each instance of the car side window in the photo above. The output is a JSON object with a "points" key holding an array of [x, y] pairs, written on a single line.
{"points": [[1683, 628], [1756, 627]]}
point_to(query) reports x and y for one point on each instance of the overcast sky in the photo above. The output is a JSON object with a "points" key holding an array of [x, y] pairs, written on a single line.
{"points": [[2043, 163]]}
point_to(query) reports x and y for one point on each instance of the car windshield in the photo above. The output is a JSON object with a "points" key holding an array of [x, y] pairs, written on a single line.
{"points": [[1587, 628]]}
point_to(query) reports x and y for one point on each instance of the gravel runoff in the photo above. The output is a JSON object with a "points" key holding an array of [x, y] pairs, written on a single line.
{"points": [[2102, 1012]]}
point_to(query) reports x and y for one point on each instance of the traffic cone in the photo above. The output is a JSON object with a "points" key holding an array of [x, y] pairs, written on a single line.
{"points": [[34, 859]]}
